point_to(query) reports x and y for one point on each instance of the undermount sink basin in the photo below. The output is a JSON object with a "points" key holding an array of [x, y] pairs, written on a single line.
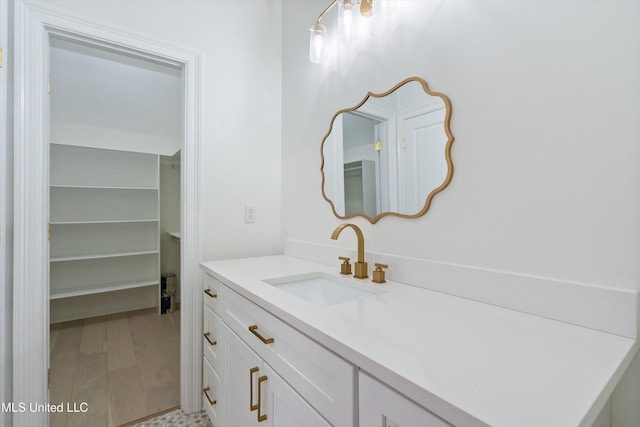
{"points": [[323, 289]]}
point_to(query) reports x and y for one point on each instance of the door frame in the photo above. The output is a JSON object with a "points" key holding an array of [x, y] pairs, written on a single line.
{"points": [[34, 24], [386, 189], [6, 180]]}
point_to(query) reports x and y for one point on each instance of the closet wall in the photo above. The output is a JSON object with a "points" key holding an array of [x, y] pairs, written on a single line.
{"points": [[170, 217], [112, 118], [106, 99]]}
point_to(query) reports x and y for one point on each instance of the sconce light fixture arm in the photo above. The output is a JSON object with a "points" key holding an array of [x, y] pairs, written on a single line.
{"points": [[324, 12]]}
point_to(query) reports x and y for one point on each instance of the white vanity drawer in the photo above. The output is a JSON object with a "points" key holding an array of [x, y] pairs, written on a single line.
{"points": [[211, 288], [212, 341], [212, 394], [324, 379]]}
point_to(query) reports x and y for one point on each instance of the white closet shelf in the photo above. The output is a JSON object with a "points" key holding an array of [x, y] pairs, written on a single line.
{"points": [[98, 256], [105, 229], [117, 221], [101, 187], [101, 287]]}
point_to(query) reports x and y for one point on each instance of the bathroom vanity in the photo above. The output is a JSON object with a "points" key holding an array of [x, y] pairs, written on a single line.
{"points": [[277, 354]]}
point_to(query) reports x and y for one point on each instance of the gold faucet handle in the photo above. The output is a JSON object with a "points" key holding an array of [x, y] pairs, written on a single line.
{"points": [[378, 273], [345, 267]]}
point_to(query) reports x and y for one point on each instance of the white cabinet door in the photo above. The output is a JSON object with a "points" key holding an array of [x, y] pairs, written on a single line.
{"points": [[257, 396], [212, 344], [241, 382], [212, 398], [283, 407], [324, 379], [383, 406]]}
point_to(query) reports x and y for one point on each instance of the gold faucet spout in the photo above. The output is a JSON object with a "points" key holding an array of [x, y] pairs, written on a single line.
{"points": [[361, 266]]}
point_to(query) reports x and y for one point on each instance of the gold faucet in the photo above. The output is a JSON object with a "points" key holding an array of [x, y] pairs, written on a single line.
{"points": [[360, 265]]}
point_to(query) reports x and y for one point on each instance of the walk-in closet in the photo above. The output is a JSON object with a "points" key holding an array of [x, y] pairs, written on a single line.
{"points": [[115, 132]]}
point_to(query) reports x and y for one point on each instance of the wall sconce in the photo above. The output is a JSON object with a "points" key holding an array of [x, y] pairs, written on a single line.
{"points": [[318, 46]]}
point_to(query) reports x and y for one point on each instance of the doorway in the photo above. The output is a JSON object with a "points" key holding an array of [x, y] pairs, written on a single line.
{"points": [[115, 137], [35, 25]]}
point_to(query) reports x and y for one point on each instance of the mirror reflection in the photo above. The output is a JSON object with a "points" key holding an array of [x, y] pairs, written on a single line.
{"points": [[390, 154]]}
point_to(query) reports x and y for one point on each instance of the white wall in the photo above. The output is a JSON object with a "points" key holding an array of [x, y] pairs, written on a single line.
{"points": [[170, 218], [111, 100], [240, 108], [545, 101], [545, 105]]}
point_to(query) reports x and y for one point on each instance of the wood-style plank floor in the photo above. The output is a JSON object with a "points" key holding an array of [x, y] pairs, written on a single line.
{"points": [[124, 366]]}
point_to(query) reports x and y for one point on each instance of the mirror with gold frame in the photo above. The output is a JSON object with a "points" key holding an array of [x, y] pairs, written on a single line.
{"points": [[388, 155]]}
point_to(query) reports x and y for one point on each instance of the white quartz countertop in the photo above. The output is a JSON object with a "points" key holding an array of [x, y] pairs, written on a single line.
{"points": [[469, 362]]}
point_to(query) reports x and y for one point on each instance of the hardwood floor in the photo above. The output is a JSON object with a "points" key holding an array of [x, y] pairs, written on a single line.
{"points": [[124, 366]]}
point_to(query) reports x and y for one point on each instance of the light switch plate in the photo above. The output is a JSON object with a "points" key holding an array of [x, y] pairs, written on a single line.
{"points": [[249, 214]]}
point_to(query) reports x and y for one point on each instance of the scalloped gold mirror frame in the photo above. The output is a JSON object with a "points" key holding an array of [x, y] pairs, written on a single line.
{"points": [[447, 152]]}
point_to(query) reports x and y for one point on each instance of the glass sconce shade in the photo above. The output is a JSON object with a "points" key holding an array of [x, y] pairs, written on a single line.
{"points": [[318, 52], [345, 18]]}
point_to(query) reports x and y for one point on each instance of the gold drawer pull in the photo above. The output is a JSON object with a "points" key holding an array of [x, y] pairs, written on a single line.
{"points": [[206, 335], [211, 294], [261, 417], [206, 390], [254, 330], [252, 371]]}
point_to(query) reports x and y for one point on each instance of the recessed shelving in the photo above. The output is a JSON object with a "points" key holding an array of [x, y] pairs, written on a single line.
{"points": [[104, 228], [101, 256], [69, 204], [88, 239], [102, 287], [100, 187], [94, 167], [121, 221]]}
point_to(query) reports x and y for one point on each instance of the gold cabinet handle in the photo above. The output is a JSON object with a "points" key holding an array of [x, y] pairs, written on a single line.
{"points": [[211, 294], [206, 393], [206, 336], [254, 330], [261, 417], [252, 371]]}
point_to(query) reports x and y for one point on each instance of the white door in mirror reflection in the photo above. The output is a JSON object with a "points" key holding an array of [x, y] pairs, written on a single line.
{"points": [[421, 165]]}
